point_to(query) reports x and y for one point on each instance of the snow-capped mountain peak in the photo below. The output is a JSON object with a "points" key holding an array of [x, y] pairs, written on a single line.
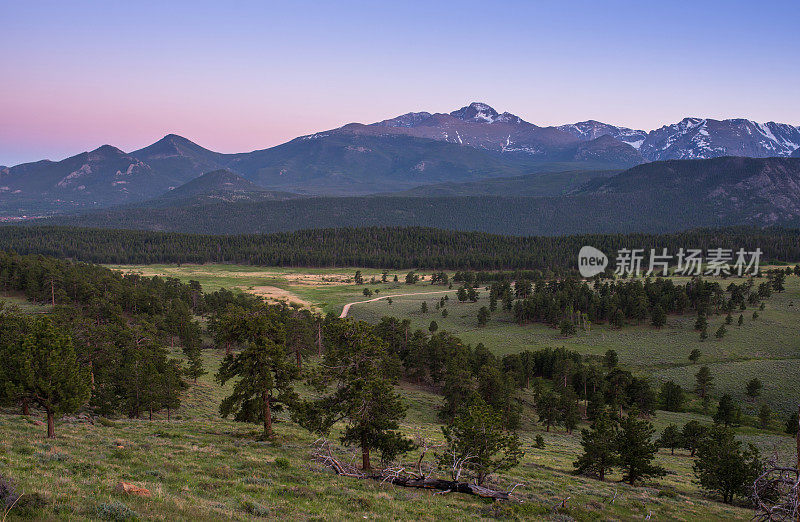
{"points": [[699, 138], [482, 113], [410, 119], [593, 129]]}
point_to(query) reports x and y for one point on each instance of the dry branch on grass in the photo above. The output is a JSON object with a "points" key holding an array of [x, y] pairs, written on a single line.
{"points": [[776, 492], [400, 476]]}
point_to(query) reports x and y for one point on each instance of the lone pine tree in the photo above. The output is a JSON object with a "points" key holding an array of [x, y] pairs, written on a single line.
{"points": [[356, 386], [599, 447], [266, 375]]}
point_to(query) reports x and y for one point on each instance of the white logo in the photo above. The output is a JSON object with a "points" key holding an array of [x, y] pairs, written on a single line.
{"points": [[591, 261]]}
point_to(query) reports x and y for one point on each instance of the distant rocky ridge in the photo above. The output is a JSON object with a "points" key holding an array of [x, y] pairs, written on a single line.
{"points": [[472, 143]]}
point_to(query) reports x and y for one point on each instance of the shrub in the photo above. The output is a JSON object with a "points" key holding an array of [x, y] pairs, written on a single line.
{"points": [[115, 511], [8, 495], [259, 481], [52, 457], [154, 473], [282, 463], [108, 423], [254, 508]]}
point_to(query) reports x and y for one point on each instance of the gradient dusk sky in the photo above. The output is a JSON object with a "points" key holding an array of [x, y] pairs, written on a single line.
{"points": [[237, 76]]}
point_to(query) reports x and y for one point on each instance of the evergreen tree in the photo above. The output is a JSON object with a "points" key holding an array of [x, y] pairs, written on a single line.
{"points": [[599, 447], [704, 381], [724, 467], [477, 438], [424, 307], [459, 388], [547, 408], [618, 319], [433, 327], [611, 359], [265, 382], [692, 434], [658, 317], [356, 387], [671, 397], [694, 356], [567, 328], [702, 322], [636, 450], [726, 411], [498, 390], [764, 417], [670, 438], [720, 333], [753, 388], [568, 410], [483, 316], [46, 371]]}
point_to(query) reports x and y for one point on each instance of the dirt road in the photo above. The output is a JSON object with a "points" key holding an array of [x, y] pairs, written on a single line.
{"points": [[346, 308]]}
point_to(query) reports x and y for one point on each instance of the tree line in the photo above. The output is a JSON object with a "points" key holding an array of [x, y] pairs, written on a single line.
{"points": [[391, 248], [105, 342]]}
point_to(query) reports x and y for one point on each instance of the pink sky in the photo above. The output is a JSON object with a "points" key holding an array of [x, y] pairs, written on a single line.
{"points": [[81, 74]]}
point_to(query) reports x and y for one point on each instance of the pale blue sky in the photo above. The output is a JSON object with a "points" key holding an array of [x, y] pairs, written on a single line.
{"points": [[250, 75]]}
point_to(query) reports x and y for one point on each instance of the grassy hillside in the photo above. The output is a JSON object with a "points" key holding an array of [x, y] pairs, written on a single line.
{"points": [[767, 347], [199, 466]]}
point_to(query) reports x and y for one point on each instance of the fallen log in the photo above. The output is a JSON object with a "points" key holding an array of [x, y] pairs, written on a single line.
{"points": [[400, 477], [443, 485]]}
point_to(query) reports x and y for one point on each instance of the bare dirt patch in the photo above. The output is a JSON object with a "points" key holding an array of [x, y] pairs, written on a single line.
{"points": [[276, 295]]}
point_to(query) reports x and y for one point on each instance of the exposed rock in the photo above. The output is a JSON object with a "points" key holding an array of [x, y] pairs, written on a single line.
{"points": [[132, 489]]}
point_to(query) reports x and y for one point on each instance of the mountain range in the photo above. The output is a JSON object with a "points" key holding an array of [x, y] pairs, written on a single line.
{"points": [[470, 151], [660, 196]]}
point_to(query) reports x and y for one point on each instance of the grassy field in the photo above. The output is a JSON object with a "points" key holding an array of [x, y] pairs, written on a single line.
{"points": [[767, 348], [23, 304], [323, 289], [201, 467]]}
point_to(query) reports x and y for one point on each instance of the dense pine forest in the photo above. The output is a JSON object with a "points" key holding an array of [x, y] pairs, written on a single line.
{"points": [[392, 248]]}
